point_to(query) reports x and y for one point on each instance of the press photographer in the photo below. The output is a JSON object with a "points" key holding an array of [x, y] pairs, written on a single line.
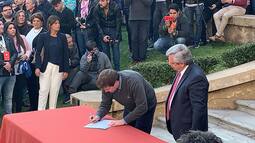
{"points": [[91, 64], [85, 23], [108, 20], [173, 29]]}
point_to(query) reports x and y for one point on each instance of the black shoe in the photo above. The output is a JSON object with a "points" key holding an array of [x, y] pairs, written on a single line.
{"points": [[67, 100]]}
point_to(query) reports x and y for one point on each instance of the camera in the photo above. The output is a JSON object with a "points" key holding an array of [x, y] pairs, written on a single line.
{"points": [[94, 62], [168, 18], [82, 21], [110, 39]]}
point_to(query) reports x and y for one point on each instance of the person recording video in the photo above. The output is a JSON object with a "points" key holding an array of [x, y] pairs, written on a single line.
{"points": [[91, 64], [173, 29]]}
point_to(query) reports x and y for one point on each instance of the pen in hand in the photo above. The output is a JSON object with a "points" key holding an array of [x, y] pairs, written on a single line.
{"points": [[93, 118]]}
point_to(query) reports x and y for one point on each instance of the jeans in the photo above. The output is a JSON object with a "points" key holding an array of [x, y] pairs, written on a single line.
{"points": [[143, 123], [82, 37], [114, 46], [164, 43], [198, 12], [252, 6], [6, 88], [159, 12]]}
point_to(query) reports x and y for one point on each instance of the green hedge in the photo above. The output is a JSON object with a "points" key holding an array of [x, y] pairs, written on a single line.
{"points": [[207, 63], [239, 55], [159, 73]]}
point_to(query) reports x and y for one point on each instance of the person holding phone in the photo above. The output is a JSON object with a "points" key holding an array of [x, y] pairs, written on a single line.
{"points": [[174, 29]]}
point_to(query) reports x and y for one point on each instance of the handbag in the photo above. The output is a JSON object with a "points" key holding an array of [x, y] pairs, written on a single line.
{"points": [[24, 68]]}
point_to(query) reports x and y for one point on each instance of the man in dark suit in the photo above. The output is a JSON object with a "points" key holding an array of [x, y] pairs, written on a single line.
{"points": [[186, 105]]}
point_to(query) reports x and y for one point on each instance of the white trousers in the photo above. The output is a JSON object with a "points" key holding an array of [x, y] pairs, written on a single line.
{"points": [[50, 82], [222, 16]]}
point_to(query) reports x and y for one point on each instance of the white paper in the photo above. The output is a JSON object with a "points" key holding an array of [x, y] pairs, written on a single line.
{"points": [[103, 124]]}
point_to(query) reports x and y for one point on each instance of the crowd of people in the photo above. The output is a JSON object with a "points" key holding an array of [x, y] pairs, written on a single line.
{"points": [[46, 44]]}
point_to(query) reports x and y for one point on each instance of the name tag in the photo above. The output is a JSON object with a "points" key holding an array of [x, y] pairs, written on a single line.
{"points": [[6, 56]]}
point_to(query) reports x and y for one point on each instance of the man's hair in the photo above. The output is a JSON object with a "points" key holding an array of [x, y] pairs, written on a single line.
{"points": [[174, 6], [91, 45], [4, 3], [107, 78], [181, 53], [55, 2], [199, 137]]}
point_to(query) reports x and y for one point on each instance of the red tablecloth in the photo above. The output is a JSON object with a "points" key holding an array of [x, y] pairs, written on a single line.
{"points": [[65, 125]]}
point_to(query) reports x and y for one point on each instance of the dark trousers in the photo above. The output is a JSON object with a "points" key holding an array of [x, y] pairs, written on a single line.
{"points": [[66, 83], [115, 56], [20, 89], [33, 89], [196, 11], [164, 43], [128, 32], [82, 37], [159, 12], [79, 79], [139, 30], [143, 123]]}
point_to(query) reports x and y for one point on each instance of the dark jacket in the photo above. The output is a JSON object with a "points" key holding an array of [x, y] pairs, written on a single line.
{"points": [[112, 20], [34, 43], [13, 56], [74, 57], [43, 43], [24, 29], [46, 8], [182, 28], [139, 9], [134, 93], [189, 105], [67, 20], [90, 19]]}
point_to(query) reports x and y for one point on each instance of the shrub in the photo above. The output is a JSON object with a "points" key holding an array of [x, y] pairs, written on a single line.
{"points": [[206, 63], [239, 55], [158, 73]]}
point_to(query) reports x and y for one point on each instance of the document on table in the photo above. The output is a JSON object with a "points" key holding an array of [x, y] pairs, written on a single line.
{"points": [[103, 124]]}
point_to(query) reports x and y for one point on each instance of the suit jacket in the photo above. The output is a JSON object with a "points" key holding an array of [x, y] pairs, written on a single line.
{"points": [[43, 45], [189, 105]]}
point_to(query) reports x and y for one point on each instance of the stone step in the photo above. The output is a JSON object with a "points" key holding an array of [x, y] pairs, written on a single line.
{"points": [[162, 134], [233, 120], [227, 136], [247, 106]]}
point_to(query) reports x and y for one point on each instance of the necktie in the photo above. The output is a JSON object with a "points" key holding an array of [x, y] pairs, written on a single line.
{"points": [[174, 87]]}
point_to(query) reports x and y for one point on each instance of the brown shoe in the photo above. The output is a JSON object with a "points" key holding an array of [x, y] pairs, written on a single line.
{"points": [[212, 38], [220, 38]]}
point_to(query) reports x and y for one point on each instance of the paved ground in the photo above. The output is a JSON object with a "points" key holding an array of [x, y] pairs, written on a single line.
{"points": [[226, 135]]}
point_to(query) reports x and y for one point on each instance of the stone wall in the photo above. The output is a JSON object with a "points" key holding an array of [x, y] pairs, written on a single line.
{"points": [[225, 87], [240, 29]]}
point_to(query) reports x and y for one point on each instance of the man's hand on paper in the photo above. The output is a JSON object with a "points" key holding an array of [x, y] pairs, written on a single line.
{"points": [[114, 123]]}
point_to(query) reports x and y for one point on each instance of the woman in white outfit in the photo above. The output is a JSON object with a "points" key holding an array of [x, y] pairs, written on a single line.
{"points": [[51, 63]]}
